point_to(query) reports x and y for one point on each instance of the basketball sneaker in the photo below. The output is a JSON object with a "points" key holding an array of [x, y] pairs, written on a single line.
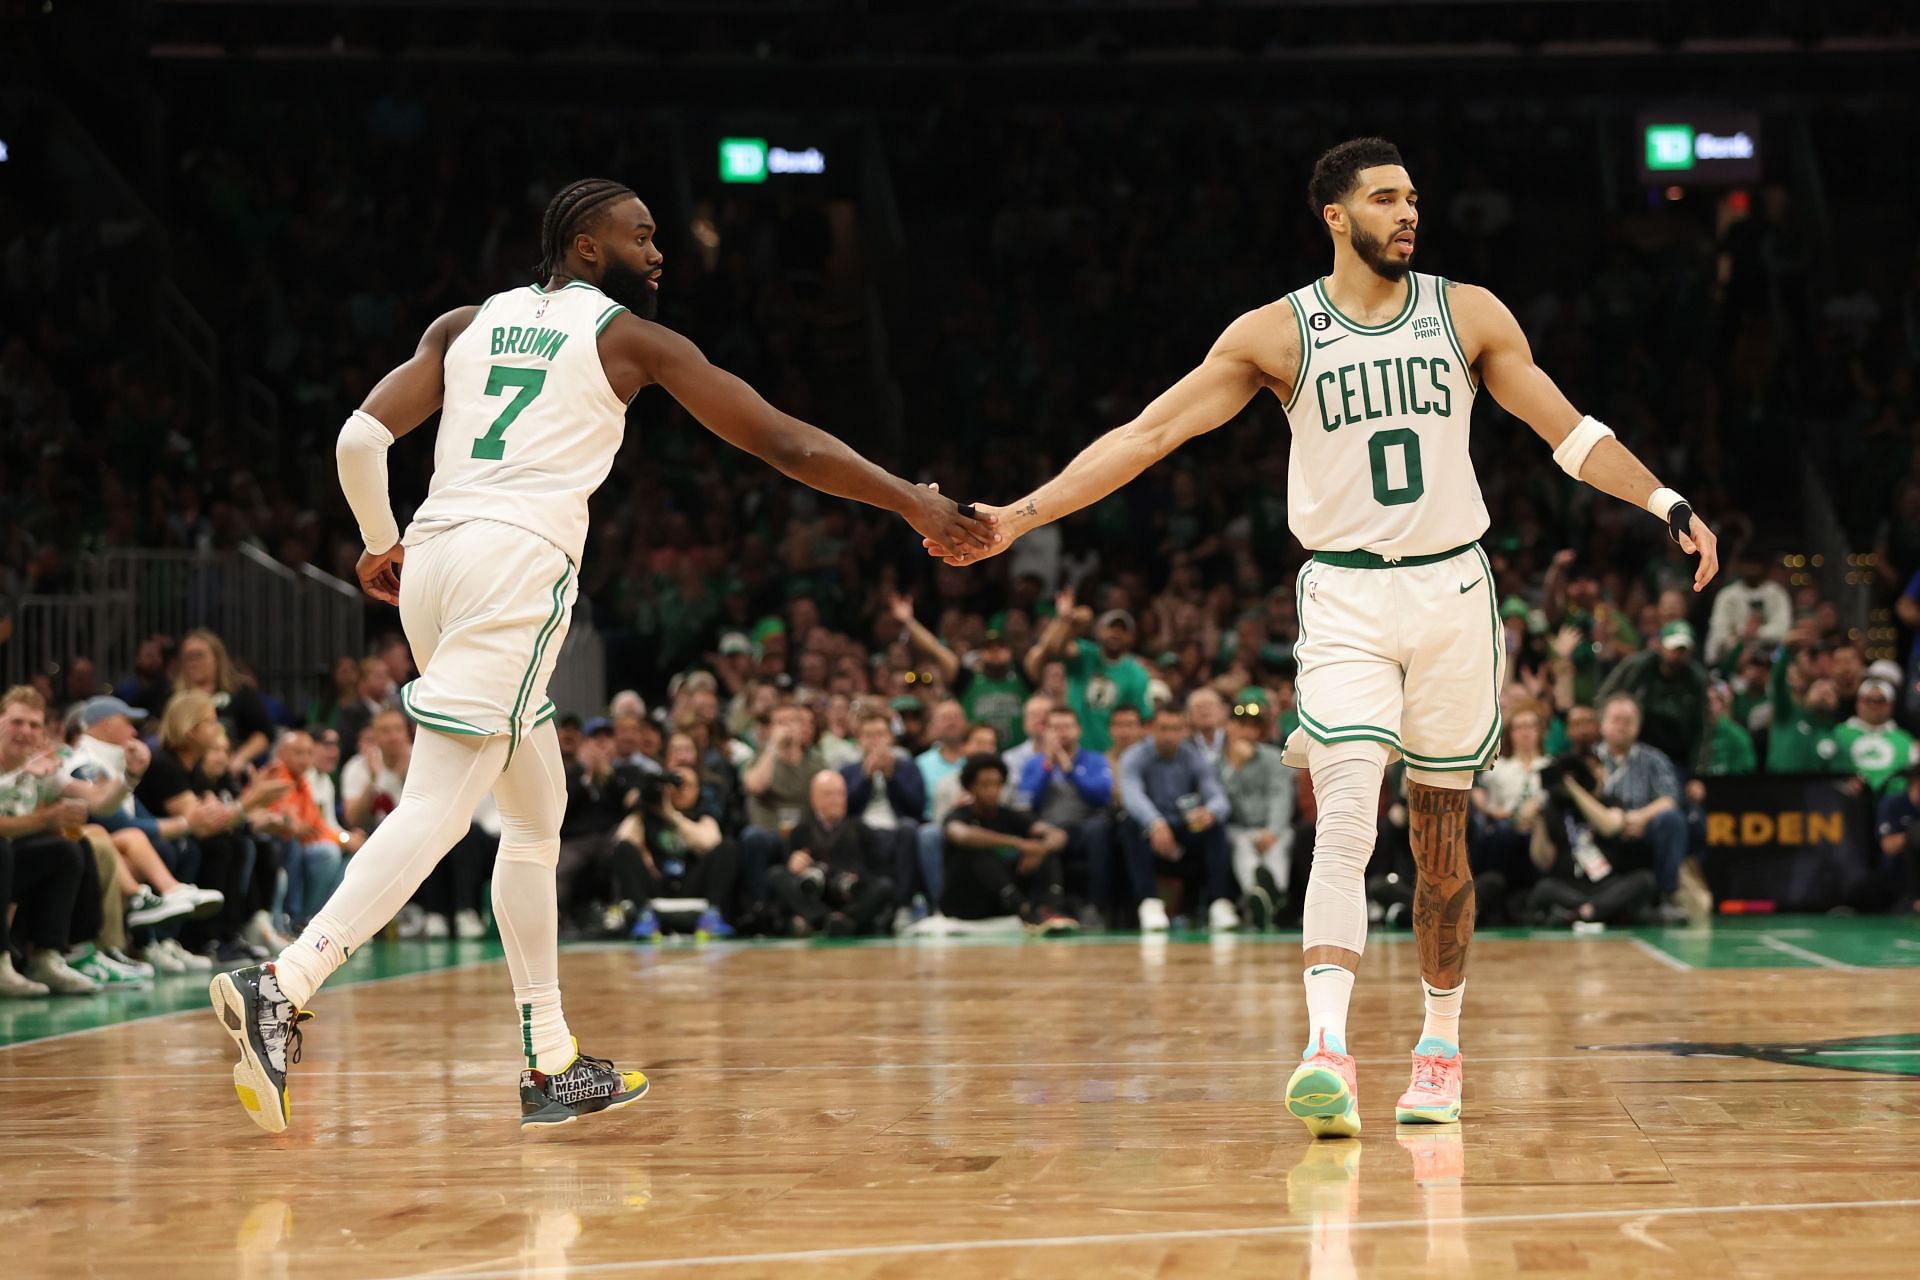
{"points": [[1324, 1091], [588, 1086], [266, 1026], [1434, 1095]]}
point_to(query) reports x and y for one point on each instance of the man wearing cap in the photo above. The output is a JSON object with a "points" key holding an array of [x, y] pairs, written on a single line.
{"points": [[1878, 750], [1751, 608], [1671, 689], [1101, 675], [990, 692]]}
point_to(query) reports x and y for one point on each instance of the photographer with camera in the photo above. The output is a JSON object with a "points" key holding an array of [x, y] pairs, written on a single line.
{"points": [[1570, 844], [835, 879], [600, 792], [670, 846]]}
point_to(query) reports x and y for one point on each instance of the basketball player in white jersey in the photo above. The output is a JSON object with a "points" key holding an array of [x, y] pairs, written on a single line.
{"points": [[1400, 650], [532, 389]]}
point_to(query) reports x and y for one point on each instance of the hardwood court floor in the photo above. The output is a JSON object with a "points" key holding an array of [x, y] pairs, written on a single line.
{"points": [[1102, 1108]]}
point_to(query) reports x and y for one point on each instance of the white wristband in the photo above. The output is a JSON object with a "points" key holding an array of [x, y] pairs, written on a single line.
{"points": [[1661, 501], [361, 453], [1572, 452]]}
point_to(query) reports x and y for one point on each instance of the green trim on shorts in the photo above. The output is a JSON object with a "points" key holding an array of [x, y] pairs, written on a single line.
{"points": [[1489, 749], [547, 713], [1368, 560], [539, 652], [436, 720]]}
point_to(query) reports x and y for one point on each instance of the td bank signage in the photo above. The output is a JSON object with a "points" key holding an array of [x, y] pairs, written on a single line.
{"points": [[1694, 149]]}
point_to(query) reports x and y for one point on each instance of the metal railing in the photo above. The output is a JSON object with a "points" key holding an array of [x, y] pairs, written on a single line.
{"points": [[286, 625]]}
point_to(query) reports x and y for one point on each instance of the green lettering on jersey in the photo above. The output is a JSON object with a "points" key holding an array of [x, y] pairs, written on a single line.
{"points": [[499, 336], [1414, 403], [1346, 392], [1439, 367], [1328, 421], [554, 343]]}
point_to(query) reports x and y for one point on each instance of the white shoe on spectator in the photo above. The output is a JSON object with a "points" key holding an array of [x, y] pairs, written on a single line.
{"points": [[90, 962], [261, 933], [160, 956], [1222, 917], [467, 924], [409, 921], [902, 919], [189, 961], [146, 907], [436, 926], [126, 961], [12, 984], [1153, 916], [51, 968], [201, 903]]}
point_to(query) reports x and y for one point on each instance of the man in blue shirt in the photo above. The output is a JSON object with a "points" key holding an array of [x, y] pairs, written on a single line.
{"points": [[1895, 884], [1176, 821], [1069, 787]]}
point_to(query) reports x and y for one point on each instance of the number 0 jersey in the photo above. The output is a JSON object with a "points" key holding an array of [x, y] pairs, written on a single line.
{"points": [[529, 424], [1379, 416]]}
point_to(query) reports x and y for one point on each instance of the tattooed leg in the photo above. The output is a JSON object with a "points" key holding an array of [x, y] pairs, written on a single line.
{"points": [[1443, 905]]}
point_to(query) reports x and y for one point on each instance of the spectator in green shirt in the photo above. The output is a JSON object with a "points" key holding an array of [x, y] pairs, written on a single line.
{"points": [[1729, 745], [1671, 690], [1100, 676], [1874, 747], [1801, 738], [992, 691]]}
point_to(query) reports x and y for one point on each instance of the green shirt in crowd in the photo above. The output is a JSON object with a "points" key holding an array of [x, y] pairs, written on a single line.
{"points": [[1799, 741], [1096, 686], [1673, 704], [1730, 750], [998, 701], [1877, 753]]}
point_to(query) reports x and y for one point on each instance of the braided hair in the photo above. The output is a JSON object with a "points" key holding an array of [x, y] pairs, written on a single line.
{"points": [[567, 212]]}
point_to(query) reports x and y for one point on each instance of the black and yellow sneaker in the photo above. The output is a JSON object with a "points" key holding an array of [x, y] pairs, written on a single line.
{"points": [[588, 1086], [266, 1026]]}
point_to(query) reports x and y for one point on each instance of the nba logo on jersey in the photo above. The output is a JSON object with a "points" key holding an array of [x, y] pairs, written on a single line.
{"points": [[541, 310]]}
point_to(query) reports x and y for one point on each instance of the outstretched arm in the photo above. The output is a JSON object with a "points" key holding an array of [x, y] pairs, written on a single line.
{"points": [[924, 640], [734, 411], [398, 403], [1241, 363], [1505, 364]]}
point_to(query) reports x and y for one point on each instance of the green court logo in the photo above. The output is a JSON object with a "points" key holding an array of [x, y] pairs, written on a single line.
{"points": [[1669, 146], [1894, 1055]]}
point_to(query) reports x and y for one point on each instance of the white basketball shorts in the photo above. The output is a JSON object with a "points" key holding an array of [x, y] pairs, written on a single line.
{"points": [[485, 606], [1408, 654]]}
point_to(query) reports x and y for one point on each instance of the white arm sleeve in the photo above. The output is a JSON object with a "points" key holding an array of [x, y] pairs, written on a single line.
{"points": [[1572, 452], [362, 457]]}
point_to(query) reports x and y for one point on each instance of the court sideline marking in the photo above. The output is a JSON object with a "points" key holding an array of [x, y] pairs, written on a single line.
{"points": [[1666, 958], [1801, 953], [1141, 1237]]}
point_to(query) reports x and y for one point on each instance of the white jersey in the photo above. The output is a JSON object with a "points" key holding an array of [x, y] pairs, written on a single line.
{"points": [[529, 425], [1379, 416]]}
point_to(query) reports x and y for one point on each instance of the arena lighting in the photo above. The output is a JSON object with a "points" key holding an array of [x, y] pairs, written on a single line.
{"points": [[751, 160], [3, 150], [1699, 148]]}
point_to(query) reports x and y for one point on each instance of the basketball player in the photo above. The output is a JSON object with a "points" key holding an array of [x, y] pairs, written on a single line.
{"points": [[532, 389], [1399, 649]]}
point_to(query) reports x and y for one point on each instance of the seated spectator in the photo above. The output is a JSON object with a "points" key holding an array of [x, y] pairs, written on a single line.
{"points": [[1126, 728], [261, 831], [371, 782], [836, 734], [1176, 822], [1033, 729], [1207, 714], [776, 784], [888, 795], [981, 740], [836, 876], [1069, 788], [1578, 880], [1002, 861], [1260, 791], [1878, 751], [1640, 784], [1895, 883], [670, 846], [636, 742], [1671, 690], [206, 668], [601, 791], [373, 693], [315, 847], [940, 766], [43, 865], [1507, 800]]}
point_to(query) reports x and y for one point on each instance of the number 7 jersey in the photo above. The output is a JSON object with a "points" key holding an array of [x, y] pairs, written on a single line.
{"points": [[1379, 415], [529, 425]]}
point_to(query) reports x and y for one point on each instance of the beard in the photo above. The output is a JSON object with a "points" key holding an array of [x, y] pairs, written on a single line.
{"points": [[1374, 253], [630, 289]]}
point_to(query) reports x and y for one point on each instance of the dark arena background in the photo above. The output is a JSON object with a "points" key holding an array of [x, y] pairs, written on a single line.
{"points": [[965, 239]]}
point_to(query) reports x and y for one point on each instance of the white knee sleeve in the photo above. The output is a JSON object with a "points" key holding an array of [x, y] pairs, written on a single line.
{"points": [[1346, 786], [1451, 780]]}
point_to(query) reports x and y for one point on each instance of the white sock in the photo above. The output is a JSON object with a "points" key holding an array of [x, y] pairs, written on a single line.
{"points": [[1443, 1015], [1328, 989], [532, 798], [446, 777]]}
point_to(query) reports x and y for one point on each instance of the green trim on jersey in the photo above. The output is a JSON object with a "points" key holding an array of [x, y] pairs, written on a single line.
{"points": [[533, 666], [483, 306], [1306, 351], [606, 318], [1441, 285], [571, 284], [436, 720], [1368, 560], [1413, 298]]}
